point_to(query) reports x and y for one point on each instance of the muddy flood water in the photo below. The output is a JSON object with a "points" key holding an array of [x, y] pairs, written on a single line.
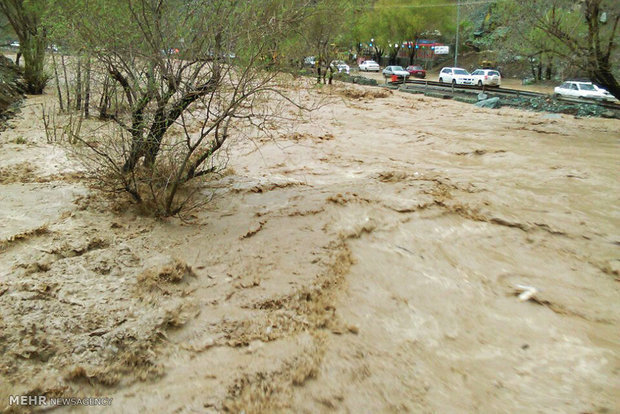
{"points": [[391, 253]]}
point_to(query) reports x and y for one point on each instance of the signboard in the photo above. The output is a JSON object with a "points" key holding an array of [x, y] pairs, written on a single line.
{"points": [[442, 50]]}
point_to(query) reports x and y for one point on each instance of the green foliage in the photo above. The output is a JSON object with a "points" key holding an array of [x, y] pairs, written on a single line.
{"points": [[326, 33], [6, 31], [580, 35], [391, 22], [25, 17]]}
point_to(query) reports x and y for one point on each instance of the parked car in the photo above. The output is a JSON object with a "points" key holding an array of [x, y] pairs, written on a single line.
{"points": [[14, 44], [369, 66], [578, 89], [309, 61], [397, 71], [340, 66], [456, 76], [416, 71], [487, 77]]}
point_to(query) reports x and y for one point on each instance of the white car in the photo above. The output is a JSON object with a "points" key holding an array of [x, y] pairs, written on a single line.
{"points": [[488, 77], [577, 89], [14, 44], [340, 66], [369, 66], [455, 76], [397, 71]]}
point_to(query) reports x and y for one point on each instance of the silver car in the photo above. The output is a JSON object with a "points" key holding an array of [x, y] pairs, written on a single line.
{"points": [[397, 71]]}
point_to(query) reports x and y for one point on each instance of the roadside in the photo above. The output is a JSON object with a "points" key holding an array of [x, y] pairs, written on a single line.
{"points": [[511, 83]]}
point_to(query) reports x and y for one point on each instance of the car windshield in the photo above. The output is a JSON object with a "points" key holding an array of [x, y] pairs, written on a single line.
{"points": [[415, 67], [493, 73], [461, 72], [586, 87], [397, 68], [370, 62]]}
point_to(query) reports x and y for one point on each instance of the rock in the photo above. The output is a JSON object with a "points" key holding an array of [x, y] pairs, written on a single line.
{"points": [[482, 96], [361, 80], [11, 86], [492, 103]]}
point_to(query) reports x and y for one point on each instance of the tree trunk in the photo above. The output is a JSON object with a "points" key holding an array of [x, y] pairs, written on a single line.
{"points": [[378, 55], [78, 85], [394, 56], [64, 69], [104, 102], [413, 53], [599, 66], [33, 50], [87, 90], [57, 83]]}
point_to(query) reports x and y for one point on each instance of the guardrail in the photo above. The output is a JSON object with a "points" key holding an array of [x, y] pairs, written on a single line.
{"points": [[497, 91]]}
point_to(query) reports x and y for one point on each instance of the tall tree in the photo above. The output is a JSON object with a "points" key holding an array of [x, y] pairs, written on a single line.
{"points": [[426, 16], [25, 16], [324, 31], [392, 22], [583, 34]]}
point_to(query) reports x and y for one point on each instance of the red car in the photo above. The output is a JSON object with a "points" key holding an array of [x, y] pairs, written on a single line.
{"points": [[416, 71]]}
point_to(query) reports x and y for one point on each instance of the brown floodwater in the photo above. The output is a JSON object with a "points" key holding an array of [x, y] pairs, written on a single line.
{"points": [[391, 253]]}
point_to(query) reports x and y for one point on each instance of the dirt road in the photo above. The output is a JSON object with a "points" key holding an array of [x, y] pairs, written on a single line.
{"points": [[367, 260]]}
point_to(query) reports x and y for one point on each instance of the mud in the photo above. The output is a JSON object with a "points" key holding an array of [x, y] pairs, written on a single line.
{"points": [[370, 259]]}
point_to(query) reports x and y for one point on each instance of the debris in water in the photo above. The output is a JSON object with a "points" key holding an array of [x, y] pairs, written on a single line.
{"points": [[526, 292]]}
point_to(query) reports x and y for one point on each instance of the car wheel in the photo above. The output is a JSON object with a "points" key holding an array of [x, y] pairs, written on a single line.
{"points": [[480, 83], [440, 80], [453, 82]]}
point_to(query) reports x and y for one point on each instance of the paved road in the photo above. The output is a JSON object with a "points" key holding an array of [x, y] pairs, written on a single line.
{"points": [[511, 83]]}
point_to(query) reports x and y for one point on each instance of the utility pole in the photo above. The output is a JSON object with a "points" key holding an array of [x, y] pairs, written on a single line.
{"points": [[458, 23]]}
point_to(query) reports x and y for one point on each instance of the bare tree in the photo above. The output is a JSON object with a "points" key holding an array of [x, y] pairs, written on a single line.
{"points": [[191, 73], [582, 33], [320, 33]]}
